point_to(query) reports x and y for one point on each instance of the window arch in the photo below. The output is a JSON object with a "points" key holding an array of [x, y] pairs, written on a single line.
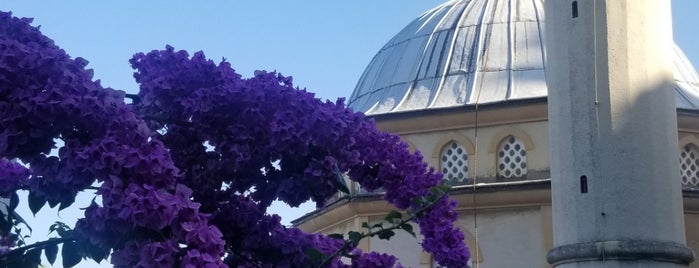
{"points": [[454, 162], [689, 165], [511, 158]]}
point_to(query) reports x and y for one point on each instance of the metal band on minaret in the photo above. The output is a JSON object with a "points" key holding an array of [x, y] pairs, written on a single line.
{"points": [[616, 193]]}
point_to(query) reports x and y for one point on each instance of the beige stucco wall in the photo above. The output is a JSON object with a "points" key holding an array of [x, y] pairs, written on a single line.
{"points": [[484, 148], [516, 236], [691, 224], [513, 232], [514, 226], [508, 237], [344, 226], [403, 245]]}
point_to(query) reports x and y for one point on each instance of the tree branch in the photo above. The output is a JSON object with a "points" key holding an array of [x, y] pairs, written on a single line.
{"points": [[135, 99], [246, 259], [163, 120], [19, 250], [348, 243]]}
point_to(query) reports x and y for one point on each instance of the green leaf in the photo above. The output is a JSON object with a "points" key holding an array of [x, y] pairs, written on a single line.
{"points": [[435, 191], [339, 181], [408, 228], [444, 188], [5, 225], [14, 201], [19, 219], [35, 202], [97, 254], [420, 201], [354, 237], [431, 199], [438, 191], [386, 234], [337, 236], [70, 254], [378, 225], [392, 215], [366, 225], [60, 228], [66, 204], [33, 257], [51, 250], [52, 203], [313, 254]]}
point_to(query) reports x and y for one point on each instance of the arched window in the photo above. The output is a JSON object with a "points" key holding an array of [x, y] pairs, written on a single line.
{"points": [[454, 162], [512, 158], [689, 165]]}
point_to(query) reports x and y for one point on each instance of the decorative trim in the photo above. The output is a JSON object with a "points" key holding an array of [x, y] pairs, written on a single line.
{"points": [[688, 138], [507, 131], [449, 137], [621, 250]]}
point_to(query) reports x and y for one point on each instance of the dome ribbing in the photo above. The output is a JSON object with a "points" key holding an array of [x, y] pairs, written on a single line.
{"points": [[465, 52]]}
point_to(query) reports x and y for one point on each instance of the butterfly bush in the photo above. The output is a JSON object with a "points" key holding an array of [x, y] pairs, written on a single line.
{"points": [[187, 171]]}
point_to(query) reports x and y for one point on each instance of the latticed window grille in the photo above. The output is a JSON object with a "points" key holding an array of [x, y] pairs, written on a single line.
{"points": [[512, 158], [454, 162], [689, 165]]}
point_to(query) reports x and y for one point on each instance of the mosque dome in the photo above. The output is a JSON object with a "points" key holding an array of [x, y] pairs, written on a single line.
{"points": [[465, 52]]}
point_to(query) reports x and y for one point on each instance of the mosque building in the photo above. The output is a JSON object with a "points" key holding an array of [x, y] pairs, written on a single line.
{"points": [[466, 84]]}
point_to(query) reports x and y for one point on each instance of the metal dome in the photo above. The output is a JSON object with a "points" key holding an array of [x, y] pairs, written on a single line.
{"points": [[465, 52]]}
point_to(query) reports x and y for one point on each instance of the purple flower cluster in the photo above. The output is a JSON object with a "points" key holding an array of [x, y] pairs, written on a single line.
{"points": [[145, 254], [13, 176], [377, 260], [47, 96], [187, 171], [7, 242], [441, 238], [264, 139], [257, 239]]}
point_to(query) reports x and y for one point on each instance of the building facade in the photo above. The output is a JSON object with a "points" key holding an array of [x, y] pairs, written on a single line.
{"points": [[465, 84]]}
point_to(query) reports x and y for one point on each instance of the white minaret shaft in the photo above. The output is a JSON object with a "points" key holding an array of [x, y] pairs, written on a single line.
{"points": [[617, 199]]}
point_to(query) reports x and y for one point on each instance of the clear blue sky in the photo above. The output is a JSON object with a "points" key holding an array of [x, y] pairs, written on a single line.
{"points": [[324, 45]]}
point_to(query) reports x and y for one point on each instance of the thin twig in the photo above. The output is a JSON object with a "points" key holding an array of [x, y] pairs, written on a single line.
{"points": [[37, 245], [248, 260], [135, 99], [164, 120], [347, 244]]}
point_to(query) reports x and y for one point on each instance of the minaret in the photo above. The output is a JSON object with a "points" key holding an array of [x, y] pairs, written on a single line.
{"points": [[616, 192]]}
